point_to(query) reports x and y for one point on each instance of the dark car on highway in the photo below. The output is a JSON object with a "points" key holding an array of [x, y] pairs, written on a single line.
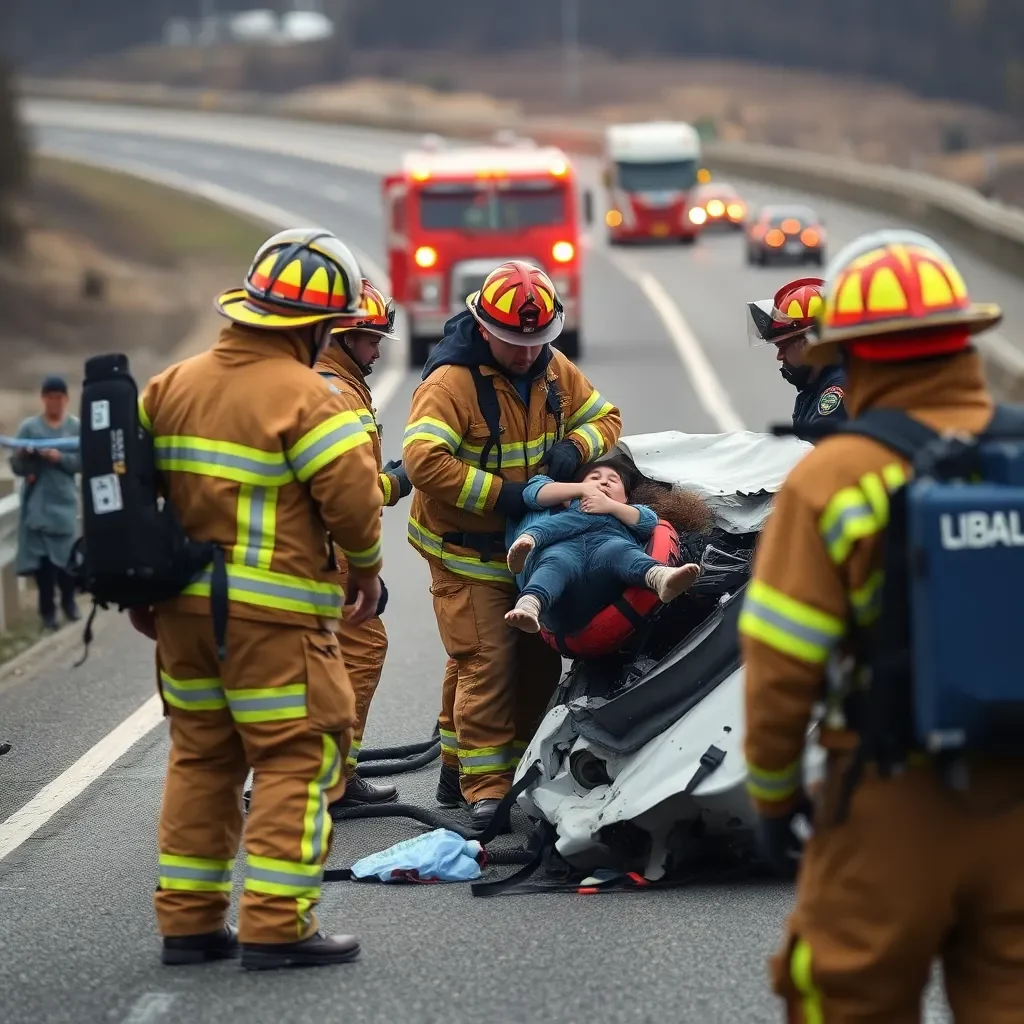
{"points": [[787, 233]]}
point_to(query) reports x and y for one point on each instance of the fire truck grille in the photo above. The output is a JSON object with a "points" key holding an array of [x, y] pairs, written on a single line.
{"points": [[463, 285]]}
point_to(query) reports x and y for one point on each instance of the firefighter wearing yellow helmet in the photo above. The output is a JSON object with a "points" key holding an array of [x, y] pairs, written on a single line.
{"points": [[262, 458], [899, 869]]}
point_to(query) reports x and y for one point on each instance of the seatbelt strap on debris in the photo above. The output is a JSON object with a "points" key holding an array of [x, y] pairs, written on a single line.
{"points": [[709, 763]]}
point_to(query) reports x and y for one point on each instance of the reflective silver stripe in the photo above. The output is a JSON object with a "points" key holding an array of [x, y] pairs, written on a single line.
{"points": [[184, 696], [305, 458], [269, 593], [430, 544], [222, 876], [800, 630], [242, 705], [421, 431], [497, 760], [279, 877], [170, 455], [321, 820]]}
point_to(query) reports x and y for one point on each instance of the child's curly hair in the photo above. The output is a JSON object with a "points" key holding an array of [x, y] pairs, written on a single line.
{"points": [[686, 511]]}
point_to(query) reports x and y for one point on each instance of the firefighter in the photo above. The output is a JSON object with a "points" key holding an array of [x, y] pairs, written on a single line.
{"points": [[785, 322], [496, 404], [900, 868], [262, 457], [346, 363]]}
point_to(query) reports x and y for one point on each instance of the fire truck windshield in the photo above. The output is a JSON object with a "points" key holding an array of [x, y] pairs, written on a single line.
{"points": [[460, 208], [662, 176]]}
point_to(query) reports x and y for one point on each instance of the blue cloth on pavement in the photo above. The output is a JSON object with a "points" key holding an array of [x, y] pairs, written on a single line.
{"points": [[438, 856]]}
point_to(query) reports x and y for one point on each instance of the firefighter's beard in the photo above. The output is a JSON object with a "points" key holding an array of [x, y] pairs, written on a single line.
{"points": [[798, 376]]}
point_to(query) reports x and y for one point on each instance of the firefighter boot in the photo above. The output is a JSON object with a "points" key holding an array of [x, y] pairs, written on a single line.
{"points": [[360, 792], [318, 950], [449, 792], [482, 811], [197, 949]]}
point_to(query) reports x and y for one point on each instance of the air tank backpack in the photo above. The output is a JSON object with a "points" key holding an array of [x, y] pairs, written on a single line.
{"points": [[133, 552], [945, 668]]}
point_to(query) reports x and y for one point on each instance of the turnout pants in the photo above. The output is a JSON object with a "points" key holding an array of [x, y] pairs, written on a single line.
{"points": [[281, 703], [497, 683], [364, 649], [914, 872]]}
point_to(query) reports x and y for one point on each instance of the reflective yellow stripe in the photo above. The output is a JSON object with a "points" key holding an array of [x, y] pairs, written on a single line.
{"points": [[860, 511], [385, 487], [594, 408], [514, 454], [265, 589], [193, 694], [800, 972], [316, 822], [269, 704], [223, 460], [323, 444], [518, 749], [592, 440], [485, 760], [773, 786], [449, 743], [367, 420], [283, 877], [365, 558], [475, 490], [463, 565], [257, 526], [195, 874], [432, 431], [353, 753], [867, 600], [144, 420], [789, 626]]}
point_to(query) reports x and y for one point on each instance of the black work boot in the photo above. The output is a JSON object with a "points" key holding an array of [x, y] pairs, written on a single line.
{"points": [[449, 792], [198, 949], [318, 950], [359, 792], [481, 812], [71, 612]]}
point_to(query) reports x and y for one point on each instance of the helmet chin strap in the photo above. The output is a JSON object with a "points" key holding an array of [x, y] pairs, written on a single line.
{"points": [[798, 376], [365, 368]]}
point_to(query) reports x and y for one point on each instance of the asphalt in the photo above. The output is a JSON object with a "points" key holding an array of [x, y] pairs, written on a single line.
{"points": [[77, 935]]}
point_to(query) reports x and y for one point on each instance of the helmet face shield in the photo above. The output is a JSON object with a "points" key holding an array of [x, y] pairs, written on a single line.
{"points": [[766, 325]]}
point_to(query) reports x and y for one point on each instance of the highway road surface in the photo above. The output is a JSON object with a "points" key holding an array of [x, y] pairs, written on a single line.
{"points": [[80, 793]]}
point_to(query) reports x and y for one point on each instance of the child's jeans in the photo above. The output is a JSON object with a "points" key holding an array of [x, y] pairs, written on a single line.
{"points": [[592, 556]]}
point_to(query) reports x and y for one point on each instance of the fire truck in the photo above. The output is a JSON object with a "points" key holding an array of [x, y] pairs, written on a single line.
{"points": [[650, 170], [453, 215]]}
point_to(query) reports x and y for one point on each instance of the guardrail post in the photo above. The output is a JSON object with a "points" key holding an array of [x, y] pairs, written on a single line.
{"points": [[10, 599]]}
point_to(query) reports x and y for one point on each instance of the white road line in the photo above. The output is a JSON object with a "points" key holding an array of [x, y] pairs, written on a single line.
{"points": [[150, 1007], [706, 384], [27, 820]]}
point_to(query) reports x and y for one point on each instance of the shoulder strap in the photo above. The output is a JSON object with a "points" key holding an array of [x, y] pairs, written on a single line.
{"points": [[487, 399], [893, 428], [555, 407], [1007, 422]]}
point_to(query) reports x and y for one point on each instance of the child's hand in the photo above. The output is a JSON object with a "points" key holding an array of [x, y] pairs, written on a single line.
{"points": [[598, 503]]}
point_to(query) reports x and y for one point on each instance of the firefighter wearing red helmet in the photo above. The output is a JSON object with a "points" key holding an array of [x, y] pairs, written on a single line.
{"points": [[785, 322], [346, 363], [497, 405], [902, 866]]}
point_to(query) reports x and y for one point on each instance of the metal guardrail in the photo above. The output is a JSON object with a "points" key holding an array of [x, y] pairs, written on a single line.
{"points": [[10, 511]]}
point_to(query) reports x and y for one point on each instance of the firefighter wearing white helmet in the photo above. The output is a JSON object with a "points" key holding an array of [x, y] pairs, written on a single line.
{"points": [[261, 457], [902, 867]]}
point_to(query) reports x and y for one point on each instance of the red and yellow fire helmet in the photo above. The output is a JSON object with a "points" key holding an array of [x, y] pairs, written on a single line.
{"points": [[900, 293], [518, 304], [378, 317], [298, 277], [791, 314]]}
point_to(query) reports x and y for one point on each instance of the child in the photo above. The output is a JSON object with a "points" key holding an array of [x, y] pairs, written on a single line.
{"points": [[595, 546]]}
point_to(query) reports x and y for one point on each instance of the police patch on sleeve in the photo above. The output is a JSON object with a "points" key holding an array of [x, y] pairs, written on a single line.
{"points": [[830, 400]]}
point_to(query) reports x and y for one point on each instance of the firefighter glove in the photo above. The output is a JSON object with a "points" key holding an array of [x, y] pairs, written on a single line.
{"points": [[397, 470], [511, 503], [563, 460], [383, 602], [778, 842]]}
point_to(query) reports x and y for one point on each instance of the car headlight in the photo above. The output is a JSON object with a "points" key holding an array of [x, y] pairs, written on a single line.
{"points": [[698, 215]]}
